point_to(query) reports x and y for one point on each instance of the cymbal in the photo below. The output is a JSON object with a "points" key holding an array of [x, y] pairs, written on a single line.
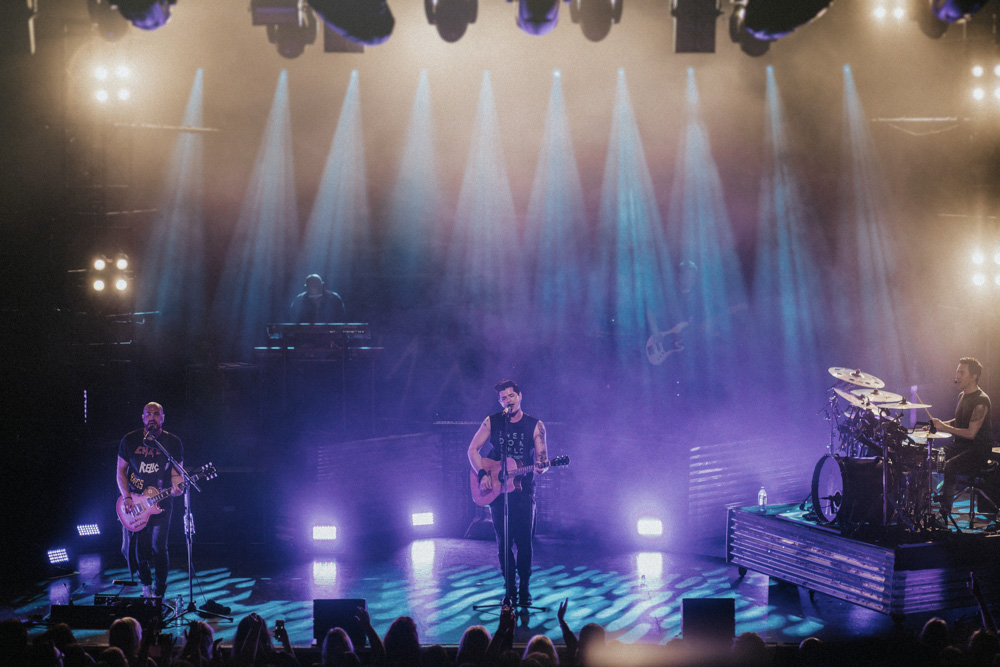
{"points": [[904, 405], [850, 398], [856, 377], [877, 395], [927, 435]]}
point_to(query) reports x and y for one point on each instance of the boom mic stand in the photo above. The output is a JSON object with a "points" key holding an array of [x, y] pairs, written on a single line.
{"points": [[188, 539], [507, 546]]}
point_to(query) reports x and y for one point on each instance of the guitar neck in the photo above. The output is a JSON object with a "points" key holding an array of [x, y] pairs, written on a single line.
{"points": [[166, 492]]}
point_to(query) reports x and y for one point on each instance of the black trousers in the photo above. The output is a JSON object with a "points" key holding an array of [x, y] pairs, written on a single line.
{"points": [[963, 460], [521, 522], [149, 546]]}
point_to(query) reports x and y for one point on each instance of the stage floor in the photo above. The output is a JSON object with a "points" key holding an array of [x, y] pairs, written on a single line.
{"points": [[636, 595]]}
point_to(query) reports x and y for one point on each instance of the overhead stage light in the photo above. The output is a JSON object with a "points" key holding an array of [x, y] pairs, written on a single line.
{"points": [[977, 71], [123, 94], [694, 25], [122, 262], [368, 22], [978, 94], [290, 24], [99, 285], [537, 17], [770, 20], [100, 264], [451, 17], [595, 17], [146, 14], [101, 95], [978, 257], [101, 73], [121, 284], [951, 11], [738, 33]]}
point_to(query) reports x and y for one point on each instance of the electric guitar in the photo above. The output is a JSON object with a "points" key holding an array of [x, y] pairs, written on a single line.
{"points": [[147, 503], [492, 468], [656, 352]]}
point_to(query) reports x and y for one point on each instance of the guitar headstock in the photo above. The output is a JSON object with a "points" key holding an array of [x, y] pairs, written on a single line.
{"points": [[208, 471], [559, 461]]}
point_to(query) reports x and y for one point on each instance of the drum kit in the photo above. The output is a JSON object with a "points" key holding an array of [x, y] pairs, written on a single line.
{"points": [[878, 473]]}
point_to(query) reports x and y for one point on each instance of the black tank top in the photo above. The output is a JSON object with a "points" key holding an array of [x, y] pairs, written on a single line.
{"points": [[520, 444]]}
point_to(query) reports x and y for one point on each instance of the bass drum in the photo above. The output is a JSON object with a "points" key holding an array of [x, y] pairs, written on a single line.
{"points": [[847, 491]]}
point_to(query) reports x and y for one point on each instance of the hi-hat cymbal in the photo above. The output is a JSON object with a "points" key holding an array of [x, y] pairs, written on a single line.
{"points": [[850, 398], [923, 435], [856, 377], [877, 395], [904, 405]]}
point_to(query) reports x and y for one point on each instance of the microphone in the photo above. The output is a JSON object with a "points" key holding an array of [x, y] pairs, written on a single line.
{"points": [[506, 410]]}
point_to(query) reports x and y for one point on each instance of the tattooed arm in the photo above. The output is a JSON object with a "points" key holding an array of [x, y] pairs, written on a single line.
{"points": [[975, 423], [541, 449]]}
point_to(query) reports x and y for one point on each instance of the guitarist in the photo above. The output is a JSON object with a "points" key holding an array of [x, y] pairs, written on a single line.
{"points": [[525, 439], [141, 465]]}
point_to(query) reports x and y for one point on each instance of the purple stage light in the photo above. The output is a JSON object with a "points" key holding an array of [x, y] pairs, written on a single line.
{"points": [[422, 519], [324, 533], [88, 529], [59, 555], [324, 572], [649, 527]]}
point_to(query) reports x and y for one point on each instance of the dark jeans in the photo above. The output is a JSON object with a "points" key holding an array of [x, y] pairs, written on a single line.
{"points": [[966, 461], [149, 545], [521, 517]]}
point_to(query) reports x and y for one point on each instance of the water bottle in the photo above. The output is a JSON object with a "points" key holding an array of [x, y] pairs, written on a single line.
{"points": [[762, 501]]}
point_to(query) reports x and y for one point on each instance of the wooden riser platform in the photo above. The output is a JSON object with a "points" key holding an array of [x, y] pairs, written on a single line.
{"points": [[895, 579]]}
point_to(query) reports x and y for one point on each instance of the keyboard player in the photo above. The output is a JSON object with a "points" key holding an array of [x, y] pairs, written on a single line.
{"points": [[317, 304]]}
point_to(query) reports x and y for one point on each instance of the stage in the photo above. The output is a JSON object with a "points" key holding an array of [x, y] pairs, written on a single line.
{"points": [[636, 595]]}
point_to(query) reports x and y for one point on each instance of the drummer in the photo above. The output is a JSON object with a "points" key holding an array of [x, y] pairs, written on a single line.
{"points": [[971, 428]]}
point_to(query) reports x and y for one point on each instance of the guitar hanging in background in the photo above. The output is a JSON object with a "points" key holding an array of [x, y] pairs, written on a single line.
{"points": [[656, 351], [147, 503], [492, 468]]}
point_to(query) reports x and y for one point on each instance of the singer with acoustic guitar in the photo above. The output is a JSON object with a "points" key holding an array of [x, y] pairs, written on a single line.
{"points": [[524, 437], [144, 471]]}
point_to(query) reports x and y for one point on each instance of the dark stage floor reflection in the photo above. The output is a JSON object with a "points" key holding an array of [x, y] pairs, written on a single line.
{"points": [[636, 595]]}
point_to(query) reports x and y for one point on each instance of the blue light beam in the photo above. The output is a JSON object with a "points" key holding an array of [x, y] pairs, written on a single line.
{"points": [[337, 232], [698, 209], [632, 277], [252, 289], [788, 295], [867, 258], [482, 267], [173, 270], [415, 207], [556, 219]]}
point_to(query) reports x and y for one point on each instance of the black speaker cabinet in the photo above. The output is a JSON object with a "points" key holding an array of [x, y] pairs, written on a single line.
{"points": [[708, 619], [338, 613]]}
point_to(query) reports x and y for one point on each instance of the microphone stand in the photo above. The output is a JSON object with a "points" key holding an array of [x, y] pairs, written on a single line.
{"points": [[502, 477], [188, 539]]}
